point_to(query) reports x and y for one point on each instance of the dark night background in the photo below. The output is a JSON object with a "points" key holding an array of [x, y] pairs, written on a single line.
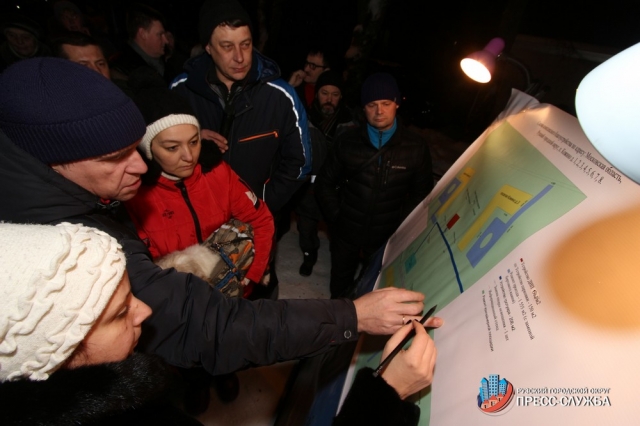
{"points": [[421, 43]]}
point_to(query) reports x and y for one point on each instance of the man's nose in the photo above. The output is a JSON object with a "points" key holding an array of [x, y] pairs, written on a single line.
{"points": [[137, 165], [238, 55]]}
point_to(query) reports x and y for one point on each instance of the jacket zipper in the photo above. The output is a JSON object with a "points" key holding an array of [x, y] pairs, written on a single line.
{"points": [[386, 173], [262, 135], [196, 222]]}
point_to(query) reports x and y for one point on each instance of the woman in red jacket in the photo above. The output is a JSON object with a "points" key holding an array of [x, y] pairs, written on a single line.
{"points": [[188, 193]]}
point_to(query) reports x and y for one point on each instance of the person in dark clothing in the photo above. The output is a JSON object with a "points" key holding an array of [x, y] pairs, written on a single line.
{"points": [[328, 111], [68, 156], [81, 49], [318, 62], [330, 116], [68, 18], [245, 107], [22, 40], [146, 45], [372, 179]]}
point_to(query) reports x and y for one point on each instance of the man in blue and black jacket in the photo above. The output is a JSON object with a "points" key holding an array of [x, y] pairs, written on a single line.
{"points": [[252, 114], [373, 178]]}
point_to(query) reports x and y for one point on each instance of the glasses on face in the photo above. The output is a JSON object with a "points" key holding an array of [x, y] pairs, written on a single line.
{"points": [[313, 66]]}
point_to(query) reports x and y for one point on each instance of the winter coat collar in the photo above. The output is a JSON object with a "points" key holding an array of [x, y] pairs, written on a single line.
{"points": [[263, 69], [379, 138], [116, 393], [189, 182], [34, 192]]}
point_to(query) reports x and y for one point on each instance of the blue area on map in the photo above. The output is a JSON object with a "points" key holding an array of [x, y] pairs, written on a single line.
{"points": [[496, 229], [410, 263]]}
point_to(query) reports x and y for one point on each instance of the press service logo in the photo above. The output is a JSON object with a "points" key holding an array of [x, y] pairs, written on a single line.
{"points": [[496, 394]]}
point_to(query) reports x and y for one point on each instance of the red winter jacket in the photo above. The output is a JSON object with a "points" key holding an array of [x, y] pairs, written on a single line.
{"points": [[173, 215]]}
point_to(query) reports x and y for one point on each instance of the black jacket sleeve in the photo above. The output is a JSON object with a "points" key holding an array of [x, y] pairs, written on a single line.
{"points": [[193, 324], [371, 401], [295, 157]]}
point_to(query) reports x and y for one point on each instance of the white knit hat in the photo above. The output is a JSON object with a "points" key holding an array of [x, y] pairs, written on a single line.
{"points": [[162, 124], [56, 281]]}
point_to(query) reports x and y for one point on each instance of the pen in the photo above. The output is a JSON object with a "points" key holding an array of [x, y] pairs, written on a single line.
{"points": [[398, 348]]}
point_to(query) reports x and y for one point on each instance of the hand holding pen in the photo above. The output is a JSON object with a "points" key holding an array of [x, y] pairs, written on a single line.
{"points": [[409, 371]]}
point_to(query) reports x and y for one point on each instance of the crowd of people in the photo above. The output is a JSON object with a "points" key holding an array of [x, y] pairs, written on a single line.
{"points": [[125, 155]]}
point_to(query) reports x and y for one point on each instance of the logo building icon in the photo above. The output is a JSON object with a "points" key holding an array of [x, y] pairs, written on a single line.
{"points": [[495, 394]]}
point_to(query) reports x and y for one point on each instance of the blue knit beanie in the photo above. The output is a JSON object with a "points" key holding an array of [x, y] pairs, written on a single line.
{"points": [[380, 86], [61, 112]]}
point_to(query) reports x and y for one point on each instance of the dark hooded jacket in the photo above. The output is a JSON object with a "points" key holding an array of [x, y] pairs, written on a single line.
{"points": [[192, 324], [263, 120], [372, 202], [140, 390]]}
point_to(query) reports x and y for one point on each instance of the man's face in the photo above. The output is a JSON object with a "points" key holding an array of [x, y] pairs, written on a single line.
{"points": [[114, 176], [90, 56], [71, 20], [328, 98], [152, 41], [231, 49], [380, 114], [22, 42], [313, 68]]}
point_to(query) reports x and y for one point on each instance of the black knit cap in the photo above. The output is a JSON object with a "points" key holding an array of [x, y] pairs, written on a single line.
{"points": [[161, 108], [216, 12], [61, 112], [379, 86], [330, 78]]}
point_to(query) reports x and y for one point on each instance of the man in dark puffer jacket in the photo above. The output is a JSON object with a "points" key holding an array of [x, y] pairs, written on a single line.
{"points": [[375, 176]]}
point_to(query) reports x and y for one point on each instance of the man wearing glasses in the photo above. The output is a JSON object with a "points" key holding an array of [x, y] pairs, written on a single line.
{"points": [[304, 80]]}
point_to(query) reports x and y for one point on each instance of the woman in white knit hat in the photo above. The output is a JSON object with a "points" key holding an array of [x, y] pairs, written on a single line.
{"points": [[69, 324], [68, 327], [188, 191], [187, 194]]}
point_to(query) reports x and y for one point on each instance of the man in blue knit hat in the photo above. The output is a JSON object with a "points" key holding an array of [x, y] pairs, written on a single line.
{"points": [[373, 178]]}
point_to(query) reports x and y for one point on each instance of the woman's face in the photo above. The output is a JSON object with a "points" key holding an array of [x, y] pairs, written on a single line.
{"points": [[177, 149], [115, 334]]}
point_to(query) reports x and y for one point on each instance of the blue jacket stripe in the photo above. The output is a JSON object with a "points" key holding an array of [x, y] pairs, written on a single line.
{"points": [[301, 124]]}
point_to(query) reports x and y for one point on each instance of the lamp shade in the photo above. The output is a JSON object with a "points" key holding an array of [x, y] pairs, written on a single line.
{"points": [[608, 109], [479, 65]]}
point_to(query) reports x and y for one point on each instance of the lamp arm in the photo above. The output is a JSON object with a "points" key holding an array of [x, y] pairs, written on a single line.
{"points": [[523, 68]]}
